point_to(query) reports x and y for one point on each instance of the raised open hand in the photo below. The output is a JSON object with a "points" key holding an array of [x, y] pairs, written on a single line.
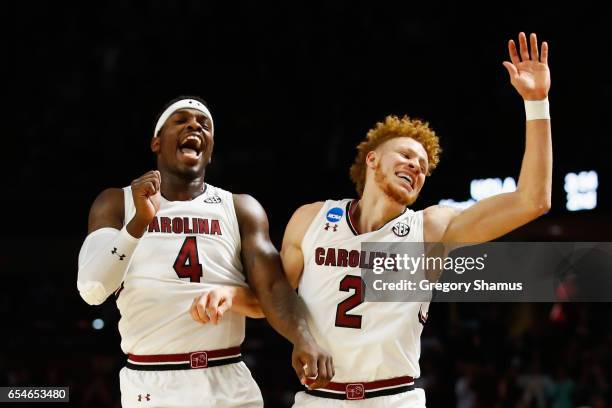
{"points": [[529, 72]]}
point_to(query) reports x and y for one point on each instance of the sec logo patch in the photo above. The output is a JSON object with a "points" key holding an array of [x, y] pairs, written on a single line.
{"points": [[401, 228]]}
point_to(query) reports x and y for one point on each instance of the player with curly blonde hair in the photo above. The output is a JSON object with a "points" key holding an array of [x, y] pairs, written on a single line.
{"points": [[376, 345], [394, 127]]}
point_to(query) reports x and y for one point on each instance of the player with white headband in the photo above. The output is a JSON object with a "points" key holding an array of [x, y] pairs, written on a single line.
{"points": [[188, 103], [177, 253]]}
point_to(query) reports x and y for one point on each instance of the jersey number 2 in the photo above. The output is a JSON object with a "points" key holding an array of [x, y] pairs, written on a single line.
{"points": [[187, 264], [343, 319]]}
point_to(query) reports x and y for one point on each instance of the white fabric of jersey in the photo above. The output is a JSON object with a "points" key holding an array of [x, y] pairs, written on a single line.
{"points": [[154, 302], [388, 343]]}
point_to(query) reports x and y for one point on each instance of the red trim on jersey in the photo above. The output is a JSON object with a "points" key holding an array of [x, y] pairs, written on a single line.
{"points": [[367, 386], [176, 358], [351, 209]]}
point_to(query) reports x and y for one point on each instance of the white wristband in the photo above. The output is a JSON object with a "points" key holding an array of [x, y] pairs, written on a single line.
{"points": [[537, 109]]}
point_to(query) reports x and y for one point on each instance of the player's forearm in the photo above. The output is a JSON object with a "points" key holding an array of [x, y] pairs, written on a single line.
{"points": [[245, 302], [103, 263], [281, 306], [535, 180], [497, 215], [285, 311], [137, 227], [489, 219]]}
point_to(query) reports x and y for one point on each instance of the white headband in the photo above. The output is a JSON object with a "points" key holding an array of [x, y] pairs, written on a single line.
{"points": [[182, 104]]}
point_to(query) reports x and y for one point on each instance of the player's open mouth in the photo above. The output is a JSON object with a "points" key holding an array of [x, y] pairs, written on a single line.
{"points": [[192, 146], [406, 177]]}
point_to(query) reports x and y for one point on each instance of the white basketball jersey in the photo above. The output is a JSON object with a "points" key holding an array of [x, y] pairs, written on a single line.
{"points": [[189, 246], [368, 341]]}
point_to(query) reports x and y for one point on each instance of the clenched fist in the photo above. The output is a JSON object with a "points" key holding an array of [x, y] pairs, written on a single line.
{"points": [[146, 192], [313, 365]]}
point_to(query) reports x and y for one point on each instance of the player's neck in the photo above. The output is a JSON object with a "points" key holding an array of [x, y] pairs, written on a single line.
{"points": [[373, 211], [174, 188]]}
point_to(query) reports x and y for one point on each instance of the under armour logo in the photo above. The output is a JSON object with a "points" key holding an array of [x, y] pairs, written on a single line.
{"points": [[114, 252], [333, 227], [146, 397]]}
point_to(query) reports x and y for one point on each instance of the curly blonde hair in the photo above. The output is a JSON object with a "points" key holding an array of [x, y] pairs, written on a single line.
{"points": [[393, 127]]}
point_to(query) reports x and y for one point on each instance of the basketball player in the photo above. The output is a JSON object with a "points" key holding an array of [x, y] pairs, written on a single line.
{"points": [[376, 346], [173, 249]]}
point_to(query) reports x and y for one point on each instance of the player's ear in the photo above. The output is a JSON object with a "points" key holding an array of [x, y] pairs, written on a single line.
{"points": [[155, 144], [371, 158]]}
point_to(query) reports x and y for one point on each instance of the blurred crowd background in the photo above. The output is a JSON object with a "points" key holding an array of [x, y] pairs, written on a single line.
{"points": [[293, 87]]}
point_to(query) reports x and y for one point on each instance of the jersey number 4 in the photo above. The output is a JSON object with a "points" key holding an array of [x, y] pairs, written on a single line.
{"points": [[343, 319], [187, 264]]}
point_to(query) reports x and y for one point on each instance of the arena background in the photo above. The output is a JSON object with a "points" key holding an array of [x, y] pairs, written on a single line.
{"points": [[293, 87]]}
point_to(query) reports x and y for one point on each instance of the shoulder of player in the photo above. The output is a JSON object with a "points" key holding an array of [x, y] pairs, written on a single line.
{"points": [[306, 213], [249, 211], [107, 210], [440, 210], [301, 220], [435, 221]]}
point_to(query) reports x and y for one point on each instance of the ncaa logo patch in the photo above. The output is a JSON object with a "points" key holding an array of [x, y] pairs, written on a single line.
{"points": [[401, 228], [335, 214]]}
